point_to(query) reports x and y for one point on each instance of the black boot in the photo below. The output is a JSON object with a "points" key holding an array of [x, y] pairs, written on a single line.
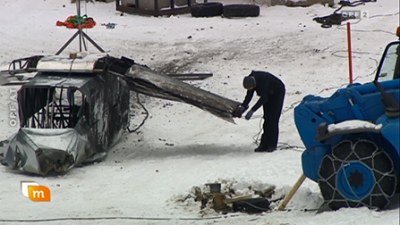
{"points": [[264, 149], [270, 149], [260, 149]]}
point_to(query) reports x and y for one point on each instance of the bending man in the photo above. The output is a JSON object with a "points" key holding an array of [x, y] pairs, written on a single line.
{"points": [[272, 94]]}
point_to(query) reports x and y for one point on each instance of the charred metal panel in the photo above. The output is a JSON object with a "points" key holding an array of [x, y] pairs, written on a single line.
{"points": [[102, 117], [114, 65], [77, 80], [40, 151], [109, 109]]}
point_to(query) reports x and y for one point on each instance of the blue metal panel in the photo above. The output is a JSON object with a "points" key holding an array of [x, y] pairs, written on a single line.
{"points": [[391, 132], [307, 124], [311, 161]]}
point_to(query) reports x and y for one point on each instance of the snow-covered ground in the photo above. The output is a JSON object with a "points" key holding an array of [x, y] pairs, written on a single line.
{"points": [[180, 147]]}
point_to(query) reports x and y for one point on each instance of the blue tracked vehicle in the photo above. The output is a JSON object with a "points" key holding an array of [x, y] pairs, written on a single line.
{"points": [[352, 138]]}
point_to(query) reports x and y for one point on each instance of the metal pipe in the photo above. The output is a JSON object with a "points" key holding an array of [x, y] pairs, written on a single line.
{"points": [[78, 9], [52, 111], [47, 108], [349, 53]]}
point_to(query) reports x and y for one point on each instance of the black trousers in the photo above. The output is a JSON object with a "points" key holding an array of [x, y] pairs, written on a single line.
{"points": [[272, 113]]}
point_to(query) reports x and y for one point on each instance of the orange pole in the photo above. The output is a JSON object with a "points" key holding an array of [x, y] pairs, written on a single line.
{"points": [[349, 51]]}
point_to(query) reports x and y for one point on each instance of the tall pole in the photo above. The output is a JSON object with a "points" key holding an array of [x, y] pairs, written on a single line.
{"points": [[81, 35], [349, 53], [78, 9]]}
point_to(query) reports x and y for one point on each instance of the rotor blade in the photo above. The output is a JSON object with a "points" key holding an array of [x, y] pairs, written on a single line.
{"points": [[4, 80], [146, 81]]}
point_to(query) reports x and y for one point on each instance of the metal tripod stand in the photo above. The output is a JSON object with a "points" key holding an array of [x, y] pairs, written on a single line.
{"points": [[82, 35]]}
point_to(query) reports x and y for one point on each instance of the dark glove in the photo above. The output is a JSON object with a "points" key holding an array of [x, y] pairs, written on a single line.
{"points": [[249, 114], [240, 110]]}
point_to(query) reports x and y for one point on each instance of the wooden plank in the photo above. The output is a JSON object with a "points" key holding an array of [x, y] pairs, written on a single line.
{"points": [[289, 196]]}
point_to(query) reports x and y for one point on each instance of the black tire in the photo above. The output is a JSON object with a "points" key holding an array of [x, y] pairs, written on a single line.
{"points": [[208, 9], [241, 10], [355, 174]]}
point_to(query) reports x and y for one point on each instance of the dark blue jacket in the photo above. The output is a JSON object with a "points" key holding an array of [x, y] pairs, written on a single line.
{"points": [[266, 85]]}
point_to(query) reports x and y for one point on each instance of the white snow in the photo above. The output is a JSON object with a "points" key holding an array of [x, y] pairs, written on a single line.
{"points": [[353, 124], [181, 147]]}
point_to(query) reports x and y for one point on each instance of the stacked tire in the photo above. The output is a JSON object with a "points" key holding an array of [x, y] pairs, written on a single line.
{"points": [[241, 10], [211, 9], [208, 9]]}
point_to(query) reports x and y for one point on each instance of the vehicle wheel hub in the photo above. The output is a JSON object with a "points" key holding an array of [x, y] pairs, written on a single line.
{"points": [[355, 180]]}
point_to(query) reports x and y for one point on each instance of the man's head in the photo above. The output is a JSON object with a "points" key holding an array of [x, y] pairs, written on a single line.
{"points": [[249, 82]]}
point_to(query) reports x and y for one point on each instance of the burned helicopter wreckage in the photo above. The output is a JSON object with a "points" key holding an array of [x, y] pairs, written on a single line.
{"points": [[74, 109]]}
